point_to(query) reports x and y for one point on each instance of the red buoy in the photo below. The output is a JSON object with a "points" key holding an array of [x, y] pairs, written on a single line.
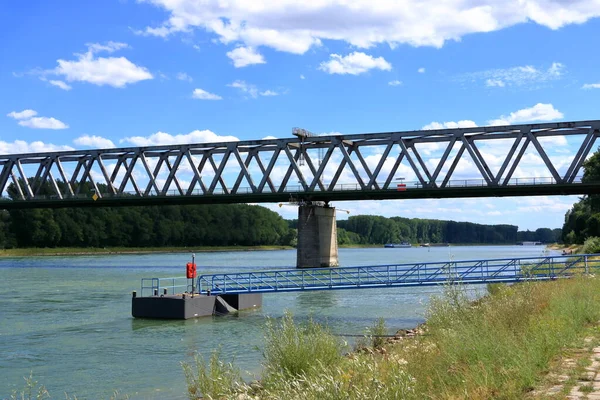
{"points": [[190, 270]]}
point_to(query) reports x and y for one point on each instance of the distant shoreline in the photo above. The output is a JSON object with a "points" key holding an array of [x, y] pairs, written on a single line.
{"points": [[78, 251], [83, 251]]}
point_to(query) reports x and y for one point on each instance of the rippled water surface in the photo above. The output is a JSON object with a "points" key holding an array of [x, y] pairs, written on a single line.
{"points": [[67, 320]]}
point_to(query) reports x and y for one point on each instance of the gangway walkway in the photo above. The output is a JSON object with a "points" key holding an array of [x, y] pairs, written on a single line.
{"points": [[400, 275], [381, 276], [216, 294]]}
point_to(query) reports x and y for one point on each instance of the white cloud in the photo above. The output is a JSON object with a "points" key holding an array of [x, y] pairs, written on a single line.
{"points": [[556, 69], [269, 93], [302, 77], [161, 138], [450, 125], [109, 47], [539, 112], [494, 83], [112, 71], [182, 76], [204, 95], [395, 82], [43, 123], [60, 84], [28, 119], [523, 76], [21, 146], [354, 63], [94, 141], [269, 137], [421, 70], [296, 25], [244, 56], [591, 86], [245, 88], [25, 114]]}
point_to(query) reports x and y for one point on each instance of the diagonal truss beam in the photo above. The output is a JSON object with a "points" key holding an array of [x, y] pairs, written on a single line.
{"points": [[360, 162]]}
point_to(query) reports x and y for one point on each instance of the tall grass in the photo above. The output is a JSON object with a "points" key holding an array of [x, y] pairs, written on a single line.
{"points": [[293, 350], [32, 390], [591, 245], [36, 391], [496, 347], [212, 379]]}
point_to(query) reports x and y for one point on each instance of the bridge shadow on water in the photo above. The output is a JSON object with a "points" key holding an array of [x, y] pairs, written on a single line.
{"points": [[317, 300]]}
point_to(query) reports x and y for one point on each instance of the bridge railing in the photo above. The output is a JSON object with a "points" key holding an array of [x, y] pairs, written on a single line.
{"points": [[162, 286], [419, 274], [412, 185]]}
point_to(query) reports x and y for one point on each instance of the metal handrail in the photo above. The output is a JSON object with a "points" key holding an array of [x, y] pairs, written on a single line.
{"points": [[413, 185], [419, 274], [157, 286]]}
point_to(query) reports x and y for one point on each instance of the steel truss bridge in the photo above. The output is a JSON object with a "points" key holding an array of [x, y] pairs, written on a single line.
{"points": [[307, 168], [381, 276]]}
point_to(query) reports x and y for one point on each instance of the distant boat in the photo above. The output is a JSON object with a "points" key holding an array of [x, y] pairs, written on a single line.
{"points": [[402, 245], [435, 244], [529, 243]]}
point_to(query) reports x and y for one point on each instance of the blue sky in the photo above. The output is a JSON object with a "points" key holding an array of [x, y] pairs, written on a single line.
{"points": [[115, 73]]}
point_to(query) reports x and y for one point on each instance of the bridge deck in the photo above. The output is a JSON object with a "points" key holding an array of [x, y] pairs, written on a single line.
{"points": [[380, 276]]}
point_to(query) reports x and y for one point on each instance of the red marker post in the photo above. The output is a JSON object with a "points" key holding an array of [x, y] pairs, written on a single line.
{"points": [[190, 272]]}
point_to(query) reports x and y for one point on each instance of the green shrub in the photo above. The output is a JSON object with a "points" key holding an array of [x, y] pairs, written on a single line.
{"points": [[495, 289], [591, 245], [214, 379], [377, 333], [294, 349], [31, 391]]}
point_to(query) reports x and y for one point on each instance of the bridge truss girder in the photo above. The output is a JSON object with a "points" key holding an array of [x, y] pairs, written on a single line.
{"points": [[347, 167]]}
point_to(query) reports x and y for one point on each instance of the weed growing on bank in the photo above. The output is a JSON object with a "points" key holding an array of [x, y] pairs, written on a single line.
{"points": [[496, 347], [293, 350], [32, 390], [214, 379], [591, 245], [36, 391]]}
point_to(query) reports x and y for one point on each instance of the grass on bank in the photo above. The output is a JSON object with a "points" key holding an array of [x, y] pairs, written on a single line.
{"points": [[75, 251], [497, 347], [35, 391]]}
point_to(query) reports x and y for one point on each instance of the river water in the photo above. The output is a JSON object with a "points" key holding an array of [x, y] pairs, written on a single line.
{"points": [[67, 320]]}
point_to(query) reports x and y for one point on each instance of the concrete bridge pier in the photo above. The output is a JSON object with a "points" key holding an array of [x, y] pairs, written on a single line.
{"points": [[317, 237]]}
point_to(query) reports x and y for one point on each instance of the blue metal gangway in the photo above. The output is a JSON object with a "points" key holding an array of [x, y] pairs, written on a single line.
{"points": [[400, 275]]}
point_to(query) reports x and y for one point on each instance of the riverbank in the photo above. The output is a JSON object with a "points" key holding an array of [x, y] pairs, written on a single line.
{"points": [[496, 347], [572, 248], [86, 251]]}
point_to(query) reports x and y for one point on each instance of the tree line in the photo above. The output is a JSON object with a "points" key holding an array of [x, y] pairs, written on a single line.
{"points": [[582, 221], [370, 229], [229, 225], [147, 226]]}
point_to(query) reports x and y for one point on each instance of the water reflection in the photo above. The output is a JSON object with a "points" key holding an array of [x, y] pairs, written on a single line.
{"points": [[315, 301]]}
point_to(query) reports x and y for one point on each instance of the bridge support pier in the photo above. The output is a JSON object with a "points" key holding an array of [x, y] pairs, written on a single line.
{"points": [[317, 237]]}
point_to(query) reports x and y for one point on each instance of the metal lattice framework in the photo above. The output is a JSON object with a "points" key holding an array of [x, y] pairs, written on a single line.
{"points": [[336, 167], [381, 276]]}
